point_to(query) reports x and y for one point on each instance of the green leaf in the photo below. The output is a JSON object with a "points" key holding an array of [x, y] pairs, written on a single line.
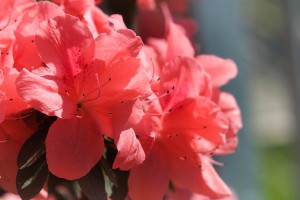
{"points": [[34, 147], [92, 184], [108, 184], [108, 171], [62, 189], [31, 180]]}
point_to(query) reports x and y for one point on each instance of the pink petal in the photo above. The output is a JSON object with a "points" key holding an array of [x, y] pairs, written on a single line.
{"points": [[146, 4], [221, 70], [150, 64], [200, 179], [150, 180], [14, 103], [13, 133], [6, 57], [198, 118], [8, 165], [113, 117], [73, 147], [130, 151], [117, 21], [126, 115], [176, 47], [170, 46], [182, 78], [66, 56], [75, 7], [229, 106], [2, 99], [131, 83], [190, 26], [2, 106], [97, 21], [180, 194], [25, 52], [48, 10], [43, 94], [117, 44], [213, 181], [160, 46]]}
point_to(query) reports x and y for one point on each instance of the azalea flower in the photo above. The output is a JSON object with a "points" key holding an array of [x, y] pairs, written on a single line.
{"points": [[219, 70], [17, 47], [185, 127], [92, 86]]}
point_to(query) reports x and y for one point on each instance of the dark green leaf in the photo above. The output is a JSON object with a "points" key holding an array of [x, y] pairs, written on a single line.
{"points": [[62, 189], [120, 191], [92, 184], [34, 147], [108, 171], [31, 180]]}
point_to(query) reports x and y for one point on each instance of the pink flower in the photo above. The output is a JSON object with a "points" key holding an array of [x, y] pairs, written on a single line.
{"points": [[221, 70], [25, 54], [186, 126], [12, 13], [19, 50], [92, 86], [13, 103]]}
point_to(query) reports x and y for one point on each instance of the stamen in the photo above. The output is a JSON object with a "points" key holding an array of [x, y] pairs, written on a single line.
{"points": [[19, 116], [183, 158], [153, 70], [165, 94], [2, 141], [98, 89]]}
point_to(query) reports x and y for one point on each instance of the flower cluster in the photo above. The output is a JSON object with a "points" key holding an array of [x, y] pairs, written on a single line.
{"points": [[85, 83]]}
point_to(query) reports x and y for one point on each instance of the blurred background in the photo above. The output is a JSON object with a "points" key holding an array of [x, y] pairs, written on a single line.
{"points": [[262, 36]]}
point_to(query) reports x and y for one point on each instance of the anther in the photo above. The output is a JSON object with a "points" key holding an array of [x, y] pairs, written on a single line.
{"points": [[4, 140], [183, 158]]}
